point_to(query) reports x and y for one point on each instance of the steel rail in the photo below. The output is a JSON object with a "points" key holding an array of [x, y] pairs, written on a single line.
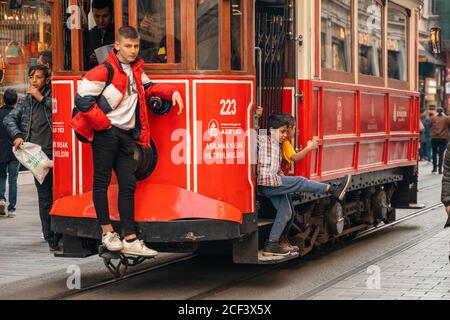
{"points": [[363, 234], [129, 276], [230, 284]]}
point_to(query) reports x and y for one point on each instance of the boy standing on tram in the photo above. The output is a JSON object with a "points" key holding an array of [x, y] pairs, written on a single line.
{"points": [[114, 119], [276, 187]]}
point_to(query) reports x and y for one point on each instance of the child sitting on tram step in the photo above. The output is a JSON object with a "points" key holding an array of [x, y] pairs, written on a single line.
{"points": [[276, 187]]}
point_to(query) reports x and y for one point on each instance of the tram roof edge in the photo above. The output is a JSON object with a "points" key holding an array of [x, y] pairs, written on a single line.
{"points": [[409, 4]]}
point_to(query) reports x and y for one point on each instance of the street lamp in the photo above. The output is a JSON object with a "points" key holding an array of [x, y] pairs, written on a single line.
{"points": [[436, 42]]}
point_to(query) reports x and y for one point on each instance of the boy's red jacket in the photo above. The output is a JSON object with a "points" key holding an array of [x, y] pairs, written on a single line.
{"points": [[94, 105]]}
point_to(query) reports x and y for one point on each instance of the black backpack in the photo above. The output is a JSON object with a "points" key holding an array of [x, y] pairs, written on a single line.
{"points": [[75, 110]]}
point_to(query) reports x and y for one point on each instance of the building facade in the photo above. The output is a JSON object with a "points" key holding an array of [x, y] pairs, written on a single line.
{"points": [[24, 33]]}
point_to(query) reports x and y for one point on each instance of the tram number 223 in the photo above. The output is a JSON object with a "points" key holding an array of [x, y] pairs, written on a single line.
{"points": [[228, 107]]}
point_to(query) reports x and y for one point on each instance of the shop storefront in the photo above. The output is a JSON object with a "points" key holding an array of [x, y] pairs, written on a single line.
{"points": [[431, 79], [24, 33]]}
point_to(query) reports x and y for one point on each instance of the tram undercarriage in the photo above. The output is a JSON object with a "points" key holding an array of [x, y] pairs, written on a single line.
{"points": [[372, 199], [317, 221]]}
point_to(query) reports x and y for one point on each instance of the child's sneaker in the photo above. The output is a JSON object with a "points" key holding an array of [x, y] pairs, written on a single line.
{"points": [[137, 248], [11, 213], [284, 241], [338, 191], [2, 207], [111, 241], [275, 249]]}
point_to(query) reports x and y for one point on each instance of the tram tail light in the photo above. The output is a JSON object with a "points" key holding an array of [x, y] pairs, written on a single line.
{"points": [[145, 160], [159, 106]]}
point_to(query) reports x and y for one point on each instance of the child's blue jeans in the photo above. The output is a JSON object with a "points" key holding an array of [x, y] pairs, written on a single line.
{"points": [[279, 198]]}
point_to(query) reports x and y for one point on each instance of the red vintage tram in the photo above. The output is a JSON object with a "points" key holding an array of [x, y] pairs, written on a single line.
{"points": [[346, 69]]}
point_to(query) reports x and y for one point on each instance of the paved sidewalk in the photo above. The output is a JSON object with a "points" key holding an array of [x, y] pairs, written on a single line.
{"points": [[421, 272], [23, 254]]}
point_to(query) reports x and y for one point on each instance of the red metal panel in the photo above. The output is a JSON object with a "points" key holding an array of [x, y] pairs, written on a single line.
{"points": [[170, 134], [175, 168], [153, 203], [221, 112], [371, 153], [339, 113], [337, 158], [63, 142], [400, 114], [288, 102], [314, 111], [398, 150], [372, 113]]}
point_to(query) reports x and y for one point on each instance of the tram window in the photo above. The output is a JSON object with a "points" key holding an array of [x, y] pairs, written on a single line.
{"points": [[67, 38], [369, 38], [337, 35], [207, 16], [236, 35], [396, 45], [154, 24], [99, 38]]}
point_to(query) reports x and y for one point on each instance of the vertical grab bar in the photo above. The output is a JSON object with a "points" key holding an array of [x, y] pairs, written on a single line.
{"points": [[259, 70]]}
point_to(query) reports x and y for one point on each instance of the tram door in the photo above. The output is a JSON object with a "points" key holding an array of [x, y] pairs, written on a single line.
{"points": [[276, 74], [275, 62]]}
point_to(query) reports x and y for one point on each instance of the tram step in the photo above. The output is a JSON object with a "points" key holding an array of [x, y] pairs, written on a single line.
{"points": [[265, 222], [275, 259]]}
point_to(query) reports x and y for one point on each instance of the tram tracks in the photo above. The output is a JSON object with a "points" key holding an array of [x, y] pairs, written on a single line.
{"points": [[312, 256], [230, 284], [132, 275]]}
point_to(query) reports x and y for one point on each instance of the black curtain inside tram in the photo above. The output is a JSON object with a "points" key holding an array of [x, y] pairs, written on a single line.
{"points": [[271, 37]]}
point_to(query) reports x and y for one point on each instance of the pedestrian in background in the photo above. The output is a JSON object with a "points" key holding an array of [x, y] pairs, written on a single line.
{"points": [[439, 138], [9, 166], [425, 139], [31, 121], [446, 185]]}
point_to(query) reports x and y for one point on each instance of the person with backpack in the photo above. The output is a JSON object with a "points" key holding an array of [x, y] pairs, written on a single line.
{"points": [[31, 121], [114, 117]]}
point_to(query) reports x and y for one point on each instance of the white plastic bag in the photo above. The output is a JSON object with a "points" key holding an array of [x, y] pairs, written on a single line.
{"points": [[32, 157]]}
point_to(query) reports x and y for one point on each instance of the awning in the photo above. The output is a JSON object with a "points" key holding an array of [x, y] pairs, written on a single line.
{"points": [[426, 56]]}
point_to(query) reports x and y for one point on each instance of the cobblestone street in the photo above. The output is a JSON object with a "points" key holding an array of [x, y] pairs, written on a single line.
{"points": [[421, 272]]}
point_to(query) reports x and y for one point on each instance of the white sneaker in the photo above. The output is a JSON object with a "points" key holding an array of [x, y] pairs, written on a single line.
{"points": [[112, 242], [12, 214], [2, 207], [138, 248]]}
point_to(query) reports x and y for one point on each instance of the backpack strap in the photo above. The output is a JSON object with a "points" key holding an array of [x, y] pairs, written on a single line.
{"points": [[110, 75]]}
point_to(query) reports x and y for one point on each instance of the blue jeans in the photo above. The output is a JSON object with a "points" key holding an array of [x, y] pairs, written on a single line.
{"points": [[279, 198], [11, 169]]}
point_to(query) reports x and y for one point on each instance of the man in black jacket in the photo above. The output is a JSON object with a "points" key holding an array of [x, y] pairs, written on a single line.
{"points": [[31, 121], [9, 166], [103, 33]]}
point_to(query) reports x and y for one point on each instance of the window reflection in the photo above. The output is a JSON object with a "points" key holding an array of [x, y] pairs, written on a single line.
{"points": [[369, 38], [100, 33], [207, 16], [152, 24], [396, 45], [336, 35], [236, 36], [24, 34]]}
